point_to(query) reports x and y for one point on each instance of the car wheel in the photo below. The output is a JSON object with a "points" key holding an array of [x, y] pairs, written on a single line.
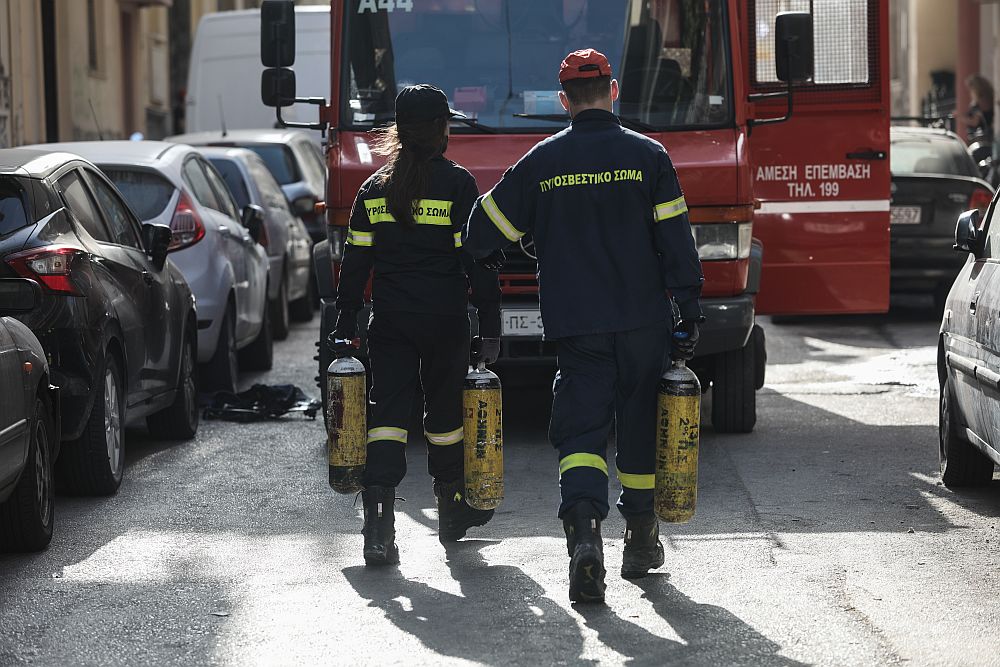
{"points": [[180, 420], [26, 518], [259, 355], [734, 394], [961, 463], [279, 313], [94, 463], [303, 308], [222, 370]]}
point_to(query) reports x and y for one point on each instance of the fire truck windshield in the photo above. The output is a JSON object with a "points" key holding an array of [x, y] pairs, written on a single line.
{"points": [[498, 60]]}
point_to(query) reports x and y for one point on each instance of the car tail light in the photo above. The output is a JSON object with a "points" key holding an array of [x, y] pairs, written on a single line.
{"points": [[186, 225], [52, 267], [981, 199]]}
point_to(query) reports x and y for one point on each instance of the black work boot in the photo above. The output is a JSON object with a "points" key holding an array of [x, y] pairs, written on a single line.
{"points": [[455, 516], [643, 550], [379, 530], [582, 524]]}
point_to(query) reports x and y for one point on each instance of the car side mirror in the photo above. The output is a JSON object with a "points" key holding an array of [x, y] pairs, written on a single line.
{"points": [[253, 220], [19, 295], [303, 206], [968, 238], [156, 239], [794, 54]]}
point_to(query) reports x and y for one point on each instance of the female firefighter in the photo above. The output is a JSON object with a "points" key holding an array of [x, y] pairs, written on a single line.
{"points": [[406, 226]]}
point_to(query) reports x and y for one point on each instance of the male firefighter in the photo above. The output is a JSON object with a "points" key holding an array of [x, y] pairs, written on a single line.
{"points": [[615, 257]]}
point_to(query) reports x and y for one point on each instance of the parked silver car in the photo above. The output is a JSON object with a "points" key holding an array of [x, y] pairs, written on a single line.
{"points": [[214, 245], [289, 248], [29, 440], [969, 356], [294, 160]]}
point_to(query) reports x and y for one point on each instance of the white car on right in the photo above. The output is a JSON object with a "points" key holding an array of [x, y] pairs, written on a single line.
{"points": [[215, 245]]}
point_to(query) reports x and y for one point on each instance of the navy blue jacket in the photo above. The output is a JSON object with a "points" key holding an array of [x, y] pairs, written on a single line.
{"points": [[420, 268], [610, 226]]}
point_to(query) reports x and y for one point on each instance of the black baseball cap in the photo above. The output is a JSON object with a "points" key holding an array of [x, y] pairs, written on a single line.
{"points": [[423, 102]]}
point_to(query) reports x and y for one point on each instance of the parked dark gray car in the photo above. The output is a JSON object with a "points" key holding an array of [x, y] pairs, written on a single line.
{"points": [[28, 409], [969, 356], [117, 320]]}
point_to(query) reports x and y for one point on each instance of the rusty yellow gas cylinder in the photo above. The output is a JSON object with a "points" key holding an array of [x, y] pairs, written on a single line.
{"points": [[347, 431], [483, 425], [677, 436]]}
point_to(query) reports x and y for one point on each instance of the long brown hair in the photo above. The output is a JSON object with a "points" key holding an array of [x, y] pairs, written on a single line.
{"points": [[409, 148]]}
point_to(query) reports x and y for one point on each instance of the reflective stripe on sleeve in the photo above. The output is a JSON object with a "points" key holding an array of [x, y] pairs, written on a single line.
{"points": [[671, 209], [499, 219], [583, 461], [632, 481], [364, 239], [458, 239], [387, 433], [449, 438]]}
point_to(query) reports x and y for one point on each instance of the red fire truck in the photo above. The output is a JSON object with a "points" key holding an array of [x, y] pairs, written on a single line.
{"points": [[788, 186]]}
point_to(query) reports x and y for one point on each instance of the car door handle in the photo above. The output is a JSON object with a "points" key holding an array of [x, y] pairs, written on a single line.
{"points": [[867, 155], [224, 230], [147, 277]]}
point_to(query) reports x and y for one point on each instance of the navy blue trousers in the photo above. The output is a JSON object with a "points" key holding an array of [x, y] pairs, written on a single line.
{"points": [[607, 380]]}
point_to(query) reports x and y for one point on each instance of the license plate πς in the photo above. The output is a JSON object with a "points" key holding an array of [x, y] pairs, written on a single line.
{"points": [[905, 215], [522, 323]]}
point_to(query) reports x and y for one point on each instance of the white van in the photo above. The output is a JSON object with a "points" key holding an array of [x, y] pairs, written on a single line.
{"points": [[224, 75]]}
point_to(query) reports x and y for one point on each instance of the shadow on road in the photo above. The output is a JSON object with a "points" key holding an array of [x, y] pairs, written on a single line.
{"points": [[712, 635], [477, 624]]}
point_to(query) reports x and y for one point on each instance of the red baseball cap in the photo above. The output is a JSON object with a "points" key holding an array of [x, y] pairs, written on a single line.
{"points": [[584, 64]]}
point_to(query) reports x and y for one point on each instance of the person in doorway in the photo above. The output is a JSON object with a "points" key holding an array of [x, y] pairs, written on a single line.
{"points": [[980, 114], [615, 256], [406, 227]]}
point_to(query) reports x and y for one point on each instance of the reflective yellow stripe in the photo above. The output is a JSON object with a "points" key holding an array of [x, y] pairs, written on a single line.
{"points": [[449, 438], [387, 433], [499, 219], [583, 461], [458, 239], [671, 209], [435, 212], [630, 481], [366, 239]]}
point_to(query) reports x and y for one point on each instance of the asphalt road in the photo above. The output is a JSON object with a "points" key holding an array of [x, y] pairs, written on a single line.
{"points": [[822, 538]]}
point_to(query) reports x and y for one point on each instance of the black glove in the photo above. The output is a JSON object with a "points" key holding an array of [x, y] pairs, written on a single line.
{"points": [[341, 340], [485, 350], [494, 261], [684, 340]]}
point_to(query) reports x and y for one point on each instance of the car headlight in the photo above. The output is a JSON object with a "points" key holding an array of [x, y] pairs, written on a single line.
{"points": [[722, 241]]}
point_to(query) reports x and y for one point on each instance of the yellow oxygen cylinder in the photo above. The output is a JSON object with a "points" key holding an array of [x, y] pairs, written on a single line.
{"points": [[678, 423], [347, 427], [483, 424]]}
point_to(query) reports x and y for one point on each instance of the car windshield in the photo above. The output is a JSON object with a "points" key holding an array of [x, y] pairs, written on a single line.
{"points": [[13, 212], [234, 180], [147, 193], [280, 162], [931, 155], [498, 60]]}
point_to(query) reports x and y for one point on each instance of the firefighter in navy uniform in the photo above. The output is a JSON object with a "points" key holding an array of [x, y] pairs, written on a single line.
{"points": [[406, 227], [615, 258]]}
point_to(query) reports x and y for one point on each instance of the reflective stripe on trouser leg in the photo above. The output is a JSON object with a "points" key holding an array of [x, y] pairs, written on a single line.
{"points": [[640, 358], [444, 354], [395, 364]]}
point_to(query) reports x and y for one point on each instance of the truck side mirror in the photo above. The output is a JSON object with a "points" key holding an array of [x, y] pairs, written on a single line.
{"points": [[277, 87], [277, 33], [968, 238], [794, 54]]}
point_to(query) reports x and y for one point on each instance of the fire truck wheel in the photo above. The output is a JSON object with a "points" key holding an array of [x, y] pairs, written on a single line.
{"points": [[734, 394], [961, 463]]}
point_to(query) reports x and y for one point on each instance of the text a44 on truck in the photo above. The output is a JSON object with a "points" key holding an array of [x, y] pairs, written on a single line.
{"points": [[782, 156]]}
